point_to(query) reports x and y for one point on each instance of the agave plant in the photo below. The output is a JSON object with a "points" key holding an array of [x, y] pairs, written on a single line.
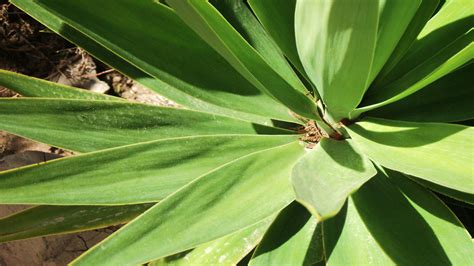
{"points": [[313, 132]]}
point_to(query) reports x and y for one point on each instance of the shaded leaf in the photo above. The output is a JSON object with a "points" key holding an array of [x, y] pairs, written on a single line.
{"points": [[212, 206], [418, 21], [277, 16], [454, 19], [395, 221], [394, 18], [205, 20], [244, 21], [52, 220], [146, 172], [448, 99], [453, 56], [439, 153], [162, 62], [328, 174], [294, 238]]}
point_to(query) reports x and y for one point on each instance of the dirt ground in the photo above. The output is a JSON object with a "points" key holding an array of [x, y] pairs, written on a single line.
{"points": [[29, 48]]}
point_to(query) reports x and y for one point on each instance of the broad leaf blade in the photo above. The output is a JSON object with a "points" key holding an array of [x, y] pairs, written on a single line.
{"points": [[33, 87], [163, 59], [392, 220], [84, 125], [294, 238], [439, 153], [228, 250], [52, 220], [146, 172], [447, 100], [212, 206], [336, 43], [205, 20], [328, 174]]}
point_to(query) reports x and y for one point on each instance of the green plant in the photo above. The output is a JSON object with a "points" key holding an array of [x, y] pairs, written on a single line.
{"points": [[352, 109]]}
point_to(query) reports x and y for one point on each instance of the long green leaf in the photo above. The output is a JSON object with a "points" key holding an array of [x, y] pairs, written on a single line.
{"points": [[457, 54], [224, 201], [277, 16], [228, 250], [293, 239], [457, 195], [162, 60], [33, 87], [418, 21], [393, 221], [454, 19], [439, 153], [328, 174], [145, 172], [446, 100], [394, 18], [52, 220], [244, 21], [84, 125], [336, 43], [204, 19]]}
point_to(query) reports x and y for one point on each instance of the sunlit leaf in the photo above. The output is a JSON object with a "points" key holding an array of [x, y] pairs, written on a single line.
{"points": [[439, 153], [85, 125], [328, 174], [51, 220], [212, 206], [146, 172], [336, 44], [33, 87], [227, 250]]}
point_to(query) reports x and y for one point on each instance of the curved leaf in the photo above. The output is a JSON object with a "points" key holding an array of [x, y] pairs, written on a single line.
{"points": [[393, 221], [145, 172], [33, 87], [294, 238], [84, 125], [449, 99], [52, 220], [439, 153], [336, 44], [165, 54], [205, 20], [328, 174], [210, 207]]}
